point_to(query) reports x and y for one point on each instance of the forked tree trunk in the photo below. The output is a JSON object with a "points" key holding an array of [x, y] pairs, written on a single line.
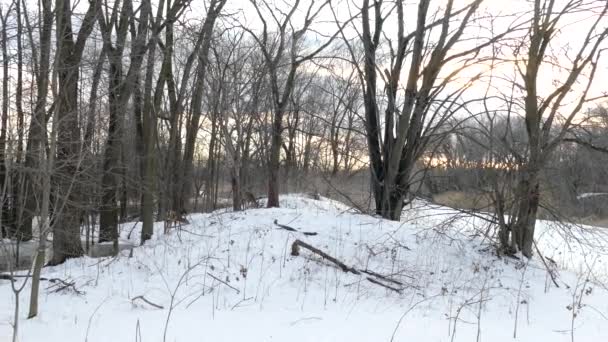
{"points": [[66, 227], [394, 150], [186, 179], [120, 89]]}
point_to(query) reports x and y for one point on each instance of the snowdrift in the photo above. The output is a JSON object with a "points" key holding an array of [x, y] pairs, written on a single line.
{"points": [[232, 277]]}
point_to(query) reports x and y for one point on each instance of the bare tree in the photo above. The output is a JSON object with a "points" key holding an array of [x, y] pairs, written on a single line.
{"points": [[395, 147], [235, 75], [120, 89], [282, 53], [547, 117], [66, 235], [37, 136], [5, 208], [186, 184]]}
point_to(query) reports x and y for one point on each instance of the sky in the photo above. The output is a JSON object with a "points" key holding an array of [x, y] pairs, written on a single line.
{"points": [[502, 13], [241, 12]]}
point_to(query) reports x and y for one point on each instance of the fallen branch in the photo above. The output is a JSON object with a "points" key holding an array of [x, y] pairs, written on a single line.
{"points": [[383, 277], [291, 229], [549, 270], [147, 302], [282, 226], [16, 276], [60, 285], [225, 283], [131, 231], [372, 280], [295, 251]]}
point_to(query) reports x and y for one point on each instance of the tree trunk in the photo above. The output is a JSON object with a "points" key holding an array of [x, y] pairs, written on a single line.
{"points": [[44, 227], [274, 161], [528, 193], [66, 228], [108, 212], [19, 86], [120, 90], [148, 139], [124, 190], [149, 176], [237, 197], [186, 184], [210, 174], [151, 100], [18, 193], [336, 158], [5, 208], [37, 126]]}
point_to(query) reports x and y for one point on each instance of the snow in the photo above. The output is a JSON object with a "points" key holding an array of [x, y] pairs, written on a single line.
{"points": [[230, 277], [591, 194]]}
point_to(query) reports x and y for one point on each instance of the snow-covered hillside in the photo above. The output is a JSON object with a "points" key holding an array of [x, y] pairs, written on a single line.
{"points": [[231, 277]]}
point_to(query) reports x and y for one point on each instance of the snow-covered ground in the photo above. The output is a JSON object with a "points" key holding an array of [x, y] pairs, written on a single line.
{"points": [[231, 277]]}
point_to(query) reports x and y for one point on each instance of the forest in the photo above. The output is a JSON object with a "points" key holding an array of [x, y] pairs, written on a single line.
{"points": [[219, 162]]}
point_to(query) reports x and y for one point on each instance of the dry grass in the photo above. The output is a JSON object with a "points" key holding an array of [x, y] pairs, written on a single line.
{"points": [[464, 200], [594, 221]]}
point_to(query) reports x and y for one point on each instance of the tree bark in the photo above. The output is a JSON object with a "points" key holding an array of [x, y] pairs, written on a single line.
{"points": [[522, 238], [66, 228], [120, 90], [186, 184], [108, 212], [37, 127], [19, 86], [148, 137], [44, 227], [6, 221]]}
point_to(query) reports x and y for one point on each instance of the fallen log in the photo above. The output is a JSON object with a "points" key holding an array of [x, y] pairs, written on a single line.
{"points": [[374, 277], [295, 251]]}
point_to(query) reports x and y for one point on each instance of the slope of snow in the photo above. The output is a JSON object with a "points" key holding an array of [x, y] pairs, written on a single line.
{"points": [[578, 248], [231, 277]]}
